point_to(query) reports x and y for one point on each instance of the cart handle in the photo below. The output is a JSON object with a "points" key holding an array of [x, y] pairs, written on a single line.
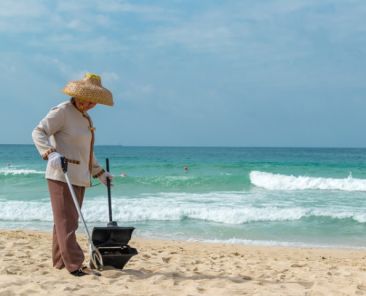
{"points": [[64, 164]]}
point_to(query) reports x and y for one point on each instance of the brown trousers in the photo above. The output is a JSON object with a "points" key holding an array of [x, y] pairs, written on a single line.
{"points": [[66, 251]]}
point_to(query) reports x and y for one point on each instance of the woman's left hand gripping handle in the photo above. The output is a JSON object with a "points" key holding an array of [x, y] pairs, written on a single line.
{"points": [[63, 164]]}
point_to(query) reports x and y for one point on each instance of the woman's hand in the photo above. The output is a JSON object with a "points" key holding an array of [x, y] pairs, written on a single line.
{"points": [[103, 178], [54, 161]]}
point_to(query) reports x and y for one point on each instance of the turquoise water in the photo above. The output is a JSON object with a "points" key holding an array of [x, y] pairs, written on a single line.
{"points": [[270, 196]]}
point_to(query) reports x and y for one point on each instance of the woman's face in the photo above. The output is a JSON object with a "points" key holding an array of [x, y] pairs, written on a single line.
{"points": [[84, 105]]}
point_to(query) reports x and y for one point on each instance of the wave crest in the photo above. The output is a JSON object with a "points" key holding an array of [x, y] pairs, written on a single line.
{"points": [[147, 209], [13, 171], [284, 182]]}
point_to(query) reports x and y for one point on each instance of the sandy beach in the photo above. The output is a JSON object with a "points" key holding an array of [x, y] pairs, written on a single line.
{"points": [[184, 268]]}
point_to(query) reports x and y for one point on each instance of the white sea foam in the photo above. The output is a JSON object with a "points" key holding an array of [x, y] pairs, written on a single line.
{"points": [[279, 243], [284, 182], [163, 209], [25, 211], [14, 171]]}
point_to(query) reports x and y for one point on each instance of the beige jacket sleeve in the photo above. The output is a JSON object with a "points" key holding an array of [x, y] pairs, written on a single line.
{"points": [[97, 170], [51, 124]]}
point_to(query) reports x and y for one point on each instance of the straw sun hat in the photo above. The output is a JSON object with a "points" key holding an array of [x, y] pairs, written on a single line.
{"points": [[89, 89]]}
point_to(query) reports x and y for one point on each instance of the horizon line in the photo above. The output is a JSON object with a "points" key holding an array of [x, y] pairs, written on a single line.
{"points": [[208, 146]]}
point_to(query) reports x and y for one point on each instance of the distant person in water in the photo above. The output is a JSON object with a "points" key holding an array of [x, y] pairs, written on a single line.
{"points": [[68, 131], [123, 174], [186, 168]]}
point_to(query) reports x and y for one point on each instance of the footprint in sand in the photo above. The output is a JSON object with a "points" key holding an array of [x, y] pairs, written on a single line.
{"points": [[361, 287], [45, 272], [12, 270], [7, 293], [166, 259], [28, 292], [73, 288], [112, 274], [200, 290], [23, 256], [298, 265], [306, 285]]}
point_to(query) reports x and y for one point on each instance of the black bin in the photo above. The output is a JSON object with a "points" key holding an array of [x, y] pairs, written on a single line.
{"points": [[112, 243]]}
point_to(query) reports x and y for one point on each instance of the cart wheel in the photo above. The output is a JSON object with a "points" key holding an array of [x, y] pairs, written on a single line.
{"points": [[92, 266], [96, 260]]}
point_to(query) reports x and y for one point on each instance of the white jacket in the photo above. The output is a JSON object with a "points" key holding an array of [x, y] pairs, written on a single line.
{"points": [[70, 132]]}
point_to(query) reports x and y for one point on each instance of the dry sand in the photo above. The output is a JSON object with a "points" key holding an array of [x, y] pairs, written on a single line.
{"points": [[182, 268]]}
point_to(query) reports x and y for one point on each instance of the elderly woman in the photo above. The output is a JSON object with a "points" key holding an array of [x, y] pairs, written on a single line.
{"points": [[68, 131]]}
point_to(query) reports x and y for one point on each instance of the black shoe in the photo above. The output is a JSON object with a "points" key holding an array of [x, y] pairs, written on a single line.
{"points": [[78, 272], [84, 271]]}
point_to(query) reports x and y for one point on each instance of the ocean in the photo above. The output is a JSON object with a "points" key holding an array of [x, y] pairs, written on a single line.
{"points": [[261, 196]]}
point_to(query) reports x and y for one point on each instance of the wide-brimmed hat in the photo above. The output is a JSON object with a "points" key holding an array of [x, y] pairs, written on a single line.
{"points": [[89, 89]]}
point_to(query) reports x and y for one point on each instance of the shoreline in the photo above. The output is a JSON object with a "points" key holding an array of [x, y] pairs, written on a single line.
{"points": [[232, 242], [173, 267]]}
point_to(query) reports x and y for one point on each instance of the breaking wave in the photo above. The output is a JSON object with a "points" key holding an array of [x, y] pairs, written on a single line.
{"points": [[162, 209], [14, 171], [272, 181]]}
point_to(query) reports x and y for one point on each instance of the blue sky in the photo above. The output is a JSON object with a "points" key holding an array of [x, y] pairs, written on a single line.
{"points": [[191, 73]]}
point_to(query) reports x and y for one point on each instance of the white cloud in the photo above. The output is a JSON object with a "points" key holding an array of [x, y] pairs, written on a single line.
{"points": [[271, 29], [21, 26], [22, 8], [39, 16], [114, 6], [73, 43], [137, 92], [61, 67], [147, 11], [110, 76], [199, 34], [234, 30], [22, 16], [111, 7]]}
